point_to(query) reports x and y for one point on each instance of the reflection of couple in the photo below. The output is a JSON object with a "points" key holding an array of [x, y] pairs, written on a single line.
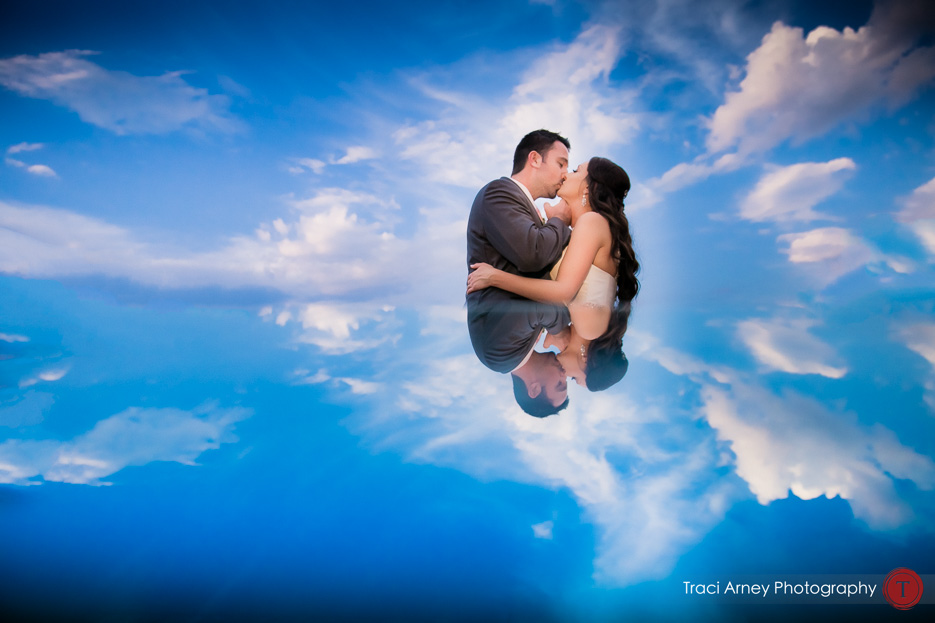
{"points": [[511, 250]]}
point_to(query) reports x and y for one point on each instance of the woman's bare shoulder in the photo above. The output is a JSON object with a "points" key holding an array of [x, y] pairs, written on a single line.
{"points": [[594, 223]]}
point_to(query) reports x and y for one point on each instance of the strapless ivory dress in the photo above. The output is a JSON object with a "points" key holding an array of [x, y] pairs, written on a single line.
{"points": [[598, 290]]}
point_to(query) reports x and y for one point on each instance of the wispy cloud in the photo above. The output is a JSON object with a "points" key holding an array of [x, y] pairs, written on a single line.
{"points": [[649, 499], [789, 193], [920, 338], [20, 147], [136, 436], [787, 346], [353, 154], [49, 376], [13, 337], [918, 214], [41, 170], [116, 100], [565, 89], [828, 253]]}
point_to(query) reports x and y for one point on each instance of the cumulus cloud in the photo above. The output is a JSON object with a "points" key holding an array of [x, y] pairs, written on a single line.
{"points": [[795, 444], [799, 87], [789, 193], [471, 137], [918, 214], [116, 100], [331, 248], [134, 437], [787, 346]]}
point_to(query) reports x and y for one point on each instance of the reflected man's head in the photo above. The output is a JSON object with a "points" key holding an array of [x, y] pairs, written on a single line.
{"points": [[540, 386]]}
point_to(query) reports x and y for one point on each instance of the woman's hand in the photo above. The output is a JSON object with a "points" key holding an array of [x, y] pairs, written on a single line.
{"points": [[482, 277]]}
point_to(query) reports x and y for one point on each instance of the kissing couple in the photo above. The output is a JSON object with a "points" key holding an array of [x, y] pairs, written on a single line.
{"points": [[569, 274]]}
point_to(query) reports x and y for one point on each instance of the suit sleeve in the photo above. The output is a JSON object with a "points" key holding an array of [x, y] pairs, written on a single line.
{"points": [[524, 241]]}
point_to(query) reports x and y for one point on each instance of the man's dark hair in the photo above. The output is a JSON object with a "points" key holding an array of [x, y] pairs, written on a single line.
{"points": [[537, 140], [538, 406]]}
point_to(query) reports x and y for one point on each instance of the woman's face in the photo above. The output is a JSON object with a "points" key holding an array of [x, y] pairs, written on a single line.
{"points": [[575, 184]]}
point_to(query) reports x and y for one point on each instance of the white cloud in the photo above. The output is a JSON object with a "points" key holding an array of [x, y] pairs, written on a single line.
{"points": [[134, 437], [20, 147], [787, 346], [336, 244], [49, 376], [331, 251], [41, 170], [800, 87], [687, 173], [918, 214], [793, 443], [543, 530], [12, 337], [312, 164], [116, 100], [828, 252], [356, 154], [360, 386], [789, 193], [306, 379], [335, 328], [648, 501], [564, 90], [920, 338]]}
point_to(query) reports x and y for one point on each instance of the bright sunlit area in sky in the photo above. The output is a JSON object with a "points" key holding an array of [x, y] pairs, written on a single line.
{"points": [[236, 380]]}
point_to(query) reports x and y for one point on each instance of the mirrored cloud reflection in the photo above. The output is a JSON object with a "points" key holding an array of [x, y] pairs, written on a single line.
{"points": [[656, 461]]}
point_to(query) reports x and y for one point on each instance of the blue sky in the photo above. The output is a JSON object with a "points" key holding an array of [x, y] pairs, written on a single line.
{"points": [[234, 362]]}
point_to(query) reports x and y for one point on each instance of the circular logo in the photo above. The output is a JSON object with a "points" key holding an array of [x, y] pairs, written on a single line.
{"points": [[902, 588]]}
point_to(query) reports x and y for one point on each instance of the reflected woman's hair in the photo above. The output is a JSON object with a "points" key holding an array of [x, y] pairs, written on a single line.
{"points": [[608, 185], [607, 364], [540, 406]]}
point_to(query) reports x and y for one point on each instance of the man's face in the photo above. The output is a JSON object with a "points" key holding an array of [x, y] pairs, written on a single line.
{"points": [[554, 168], [554, 382]]}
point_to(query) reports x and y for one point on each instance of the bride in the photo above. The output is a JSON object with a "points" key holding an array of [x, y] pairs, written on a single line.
{"points": [[596, 276]]}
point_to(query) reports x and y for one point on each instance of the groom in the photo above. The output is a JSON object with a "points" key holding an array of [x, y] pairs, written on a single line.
{"points": [[505, 229]]}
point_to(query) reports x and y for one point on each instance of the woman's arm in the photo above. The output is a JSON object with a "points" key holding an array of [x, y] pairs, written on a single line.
{"points": [[586, 240]]}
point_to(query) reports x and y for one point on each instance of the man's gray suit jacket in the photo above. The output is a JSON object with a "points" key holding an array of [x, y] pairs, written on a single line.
{"points": [[505, 231], [504, 327]]}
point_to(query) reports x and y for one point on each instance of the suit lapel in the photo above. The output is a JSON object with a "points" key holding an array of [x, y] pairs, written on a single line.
{"points": [[523, 198]]}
